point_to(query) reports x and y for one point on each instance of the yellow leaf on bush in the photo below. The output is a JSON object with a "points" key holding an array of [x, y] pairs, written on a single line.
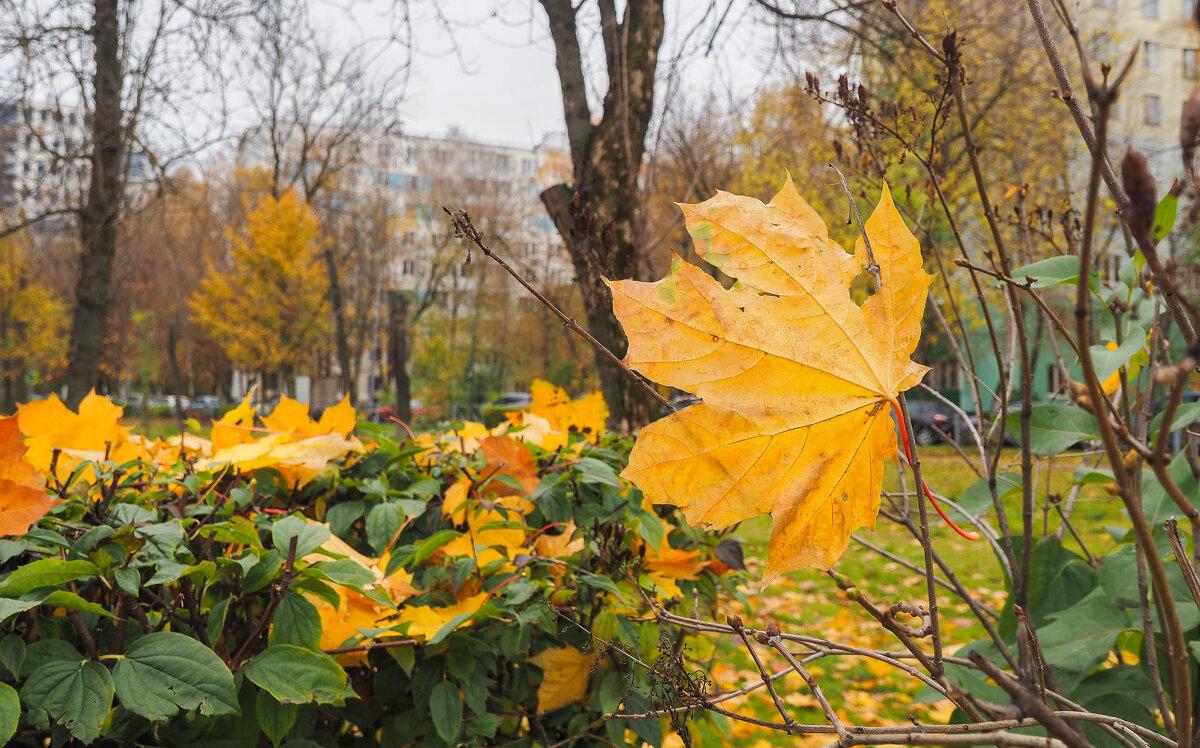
{"points": [[587, 415], [796, 378], [668, 565], [89, 435], [426, 622], [235, 427], [357, 611], [562, 545], [23, 501], [565, 672]]}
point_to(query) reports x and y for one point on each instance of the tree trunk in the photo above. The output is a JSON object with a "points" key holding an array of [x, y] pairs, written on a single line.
{"points": [[595, 214], [398, 352], [100, 214], [338, 306], [629, 405]]}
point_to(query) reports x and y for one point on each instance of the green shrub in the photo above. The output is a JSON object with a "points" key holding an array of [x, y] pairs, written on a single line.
{"points": [[159, 606]]}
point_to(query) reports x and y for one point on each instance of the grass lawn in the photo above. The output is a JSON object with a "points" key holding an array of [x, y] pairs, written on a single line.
{"points": [[808, 602]]}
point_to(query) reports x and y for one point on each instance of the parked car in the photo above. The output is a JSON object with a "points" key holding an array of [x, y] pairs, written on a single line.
{"points": [[932, 421], [205, 406]]}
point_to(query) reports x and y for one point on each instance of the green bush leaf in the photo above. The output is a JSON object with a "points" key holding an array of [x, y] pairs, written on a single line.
{"points": [[297, 622], [445, 705], [309, 537], [1080, 637], [382, 523], [10, 712], [48, 572], [275, 719], [1053, 428], [165, 672], [1048, 272], [1164, 217], [78, 694], [294, 675]]}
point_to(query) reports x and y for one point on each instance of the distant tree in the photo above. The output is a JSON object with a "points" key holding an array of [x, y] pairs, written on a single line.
{"points": [[266, 302], [33, 323], [141, 71], [319, 107]]}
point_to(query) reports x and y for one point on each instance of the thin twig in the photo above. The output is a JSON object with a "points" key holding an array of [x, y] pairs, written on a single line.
{"points": [[736, 623], [463, 228], [1181, 558], [813, 686], [873, 266]]}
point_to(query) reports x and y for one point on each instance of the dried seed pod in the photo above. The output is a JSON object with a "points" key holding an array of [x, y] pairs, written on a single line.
{"points": [[1189, 129], [1139, 185]]}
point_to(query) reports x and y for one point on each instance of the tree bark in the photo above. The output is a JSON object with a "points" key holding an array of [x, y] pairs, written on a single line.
{"points": [[337, 305], [398, 352], [596, 213], [100, 215]]}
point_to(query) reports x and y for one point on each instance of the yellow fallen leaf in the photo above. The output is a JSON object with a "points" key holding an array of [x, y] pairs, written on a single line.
{"points": [[796, 378], [565, 676]]}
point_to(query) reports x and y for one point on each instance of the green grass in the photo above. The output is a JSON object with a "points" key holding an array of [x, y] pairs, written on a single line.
{"points": [[808, 602]]}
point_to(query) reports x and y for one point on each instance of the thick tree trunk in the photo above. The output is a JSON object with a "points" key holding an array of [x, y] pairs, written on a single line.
{"points": [[338, 306], [595, 214], [629, 405], [398, 352], [100, 215]]}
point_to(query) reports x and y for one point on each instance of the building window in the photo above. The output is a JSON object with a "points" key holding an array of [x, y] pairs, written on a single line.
{"points": [[1153, 110], [45, 115], [71, 119], [25, 168], [1149, 8], [1189, 64], [1188, 7], [28, 140], [406, 267], [528, 166], [41, 169], [1153, 56]]}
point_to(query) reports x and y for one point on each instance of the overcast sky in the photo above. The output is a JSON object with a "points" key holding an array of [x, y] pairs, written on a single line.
{"points": [[495, 78]]}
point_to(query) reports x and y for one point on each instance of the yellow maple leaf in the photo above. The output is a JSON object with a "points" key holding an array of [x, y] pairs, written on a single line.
{"points": [[23, 501], [565, 676], [587, 415], [796, 378], [91, 434], [235, 427]]}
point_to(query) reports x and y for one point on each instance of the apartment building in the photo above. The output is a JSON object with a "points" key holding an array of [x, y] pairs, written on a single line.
{"points": [[43, 150], [413, 177], [45, 163], [1164, 75]]}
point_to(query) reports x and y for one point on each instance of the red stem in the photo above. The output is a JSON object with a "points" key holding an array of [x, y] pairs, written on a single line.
{"points": [[968, 534]]}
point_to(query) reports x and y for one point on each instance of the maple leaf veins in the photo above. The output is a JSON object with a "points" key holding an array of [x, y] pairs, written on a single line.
{"points": [[796, 379]]}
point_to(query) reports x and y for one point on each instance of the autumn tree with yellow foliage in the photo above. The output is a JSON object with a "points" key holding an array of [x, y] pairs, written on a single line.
{"points": [[33, 323], [265, 303]]}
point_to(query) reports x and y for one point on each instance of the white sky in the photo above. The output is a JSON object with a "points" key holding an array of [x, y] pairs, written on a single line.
{"points": [[496, 80]]}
